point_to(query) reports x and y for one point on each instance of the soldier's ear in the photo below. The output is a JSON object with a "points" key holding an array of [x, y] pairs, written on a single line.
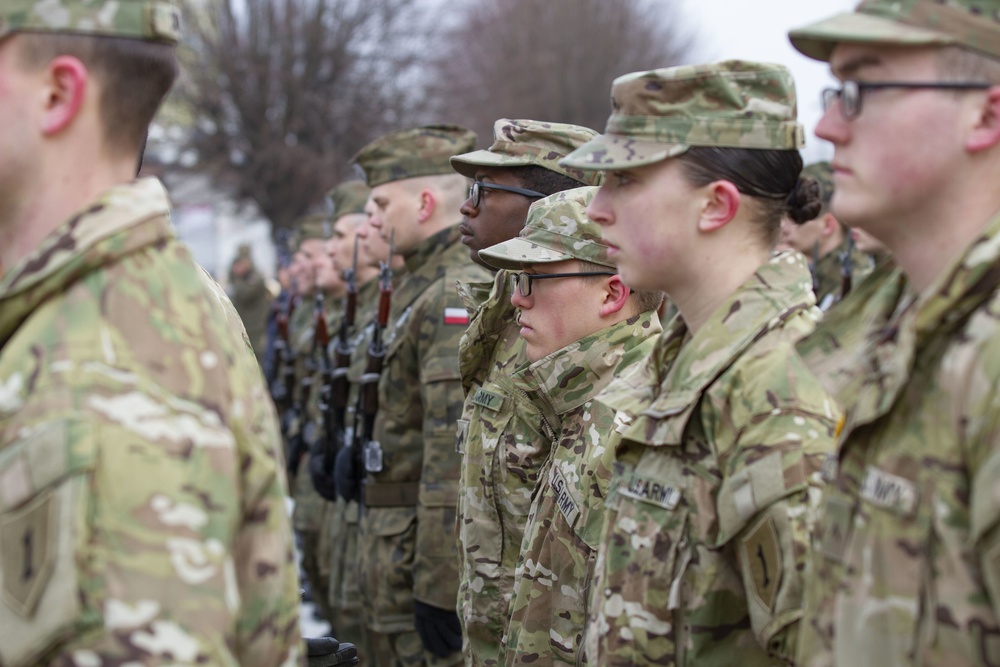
{"points": [[428, 204], [722, 202], [66, 83], [986, 128], [616, 295]]}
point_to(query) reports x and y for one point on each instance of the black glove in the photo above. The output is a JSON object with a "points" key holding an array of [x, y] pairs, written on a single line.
{"points": [[343, 474], [322, 478], [328, 652], [438, 628]]}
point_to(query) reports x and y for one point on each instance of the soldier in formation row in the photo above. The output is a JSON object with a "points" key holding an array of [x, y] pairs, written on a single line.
{"points": [[497, 455]]}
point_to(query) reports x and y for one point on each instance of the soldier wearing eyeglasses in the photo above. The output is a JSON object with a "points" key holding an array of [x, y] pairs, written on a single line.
{"points": [[905, 568], [582, 327], [501, 433]]}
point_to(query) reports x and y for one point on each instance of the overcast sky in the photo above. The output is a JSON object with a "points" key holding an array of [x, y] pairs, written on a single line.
{"points": [[759, 31]]}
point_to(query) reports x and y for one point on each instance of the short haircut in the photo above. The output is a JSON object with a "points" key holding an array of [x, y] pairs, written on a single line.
{"points": [[134, 75], [644, 301], [960, 64], [546, 181]]}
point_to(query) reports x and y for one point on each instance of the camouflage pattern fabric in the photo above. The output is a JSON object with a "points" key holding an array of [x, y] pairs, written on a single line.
{"points": [[347, 198], [719, 436], [253, 302], [905, 567], [661, 113], [973, 24], [421, 151], [153, 20], [828, 272], [553, 232], [503, 440], [563, 530], [524, 143], [409, 552], [142, 514]]}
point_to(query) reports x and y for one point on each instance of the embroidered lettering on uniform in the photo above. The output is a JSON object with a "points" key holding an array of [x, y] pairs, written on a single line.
{"points": [[564, 499], [651, 491], [456, 316], [889, 491], [487, 399]]}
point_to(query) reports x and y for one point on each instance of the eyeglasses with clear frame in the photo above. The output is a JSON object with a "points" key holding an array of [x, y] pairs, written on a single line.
{"points": [[522, 281], [477, 187], [850, 92]]}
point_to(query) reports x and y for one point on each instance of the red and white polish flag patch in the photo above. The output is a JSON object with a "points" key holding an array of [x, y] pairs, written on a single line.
{"points": [[456, 316]]}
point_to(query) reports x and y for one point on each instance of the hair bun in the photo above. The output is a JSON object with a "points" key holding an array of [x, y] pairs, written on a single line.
{"points": [[805, 201]]}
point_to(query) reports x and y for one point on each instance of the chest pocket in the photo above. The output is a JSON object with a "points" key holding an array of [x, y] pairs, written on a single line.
{"points": [[43, 528]]}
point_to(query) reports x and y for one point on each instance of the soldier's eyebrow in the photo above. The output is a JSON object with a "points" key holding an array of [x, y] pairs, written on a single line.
{"points": [[848, 69]]}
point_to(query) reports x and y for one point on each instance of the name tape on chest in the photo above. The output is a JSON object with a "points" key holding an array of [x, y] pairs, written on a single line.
{"points": [[564, 498], [651, 491], [487, 399], [889, 491]]}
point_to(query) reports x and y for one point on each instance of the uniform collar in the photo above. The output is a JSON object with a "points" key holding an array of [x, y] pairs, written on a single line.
{"points": [[119, 222], [571, 376]]}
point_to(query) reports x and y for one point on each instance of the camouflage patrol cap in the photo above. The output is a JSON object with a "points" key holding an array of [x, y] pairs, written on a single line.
{"points": [[151, 20], [823, 173], [974, 24], [314, 226], [557, 230], [347, 198], [661, 113], [421, 151], [524, 143]]}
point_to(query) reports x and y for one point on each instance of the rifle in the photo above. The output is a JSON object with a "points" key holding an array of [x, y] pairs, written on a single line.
{"points": [[846, 268], [282, 391], [366, 452], [299, 443], [333, 393]]}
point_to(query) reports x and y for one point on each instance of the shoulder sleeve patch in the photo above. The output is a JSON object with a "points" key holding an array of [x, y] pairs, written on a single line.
{"points": [[761, 556]]}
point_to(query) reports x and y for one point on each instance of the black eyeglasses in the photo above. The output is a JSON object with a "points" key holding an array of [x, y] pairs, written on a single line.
{"points": [[476, 191], [850, 92], [522, 281]]}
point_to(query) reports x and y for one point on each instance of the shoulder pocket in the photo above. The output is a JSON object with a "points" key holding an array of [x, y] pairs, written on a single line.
{"points": [[44, 506]]}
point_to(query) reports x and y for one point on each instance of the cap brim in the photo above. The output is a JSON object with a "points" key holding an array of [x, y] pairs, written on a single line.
{"points": [[516, 252], [818, 39], [467, 163], [611, 152]]}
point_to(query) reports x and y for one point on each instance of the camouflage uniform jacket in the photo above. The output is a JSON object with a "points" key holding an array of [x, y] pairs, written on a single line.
{"points": [[407, 543], [722, 434], [554, 569], [142, 515], [906, 564], [828, 273], [309, 505], [504, 441], [252, 301]]}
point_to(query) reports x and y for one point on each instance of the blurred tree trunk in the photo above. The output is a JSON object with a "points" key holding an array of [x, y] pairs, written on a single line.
{"points": [[281, 93]]}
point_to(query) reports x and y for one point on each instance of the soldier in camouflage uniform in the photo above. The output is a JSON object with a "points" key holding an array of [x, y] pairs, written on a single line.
{"points": [[497, 481], [905, 567], [581, 330], [142, 514], [407, 550], [835, 262], [250, 297], [311, 509], [720, 434], [348, 201]]}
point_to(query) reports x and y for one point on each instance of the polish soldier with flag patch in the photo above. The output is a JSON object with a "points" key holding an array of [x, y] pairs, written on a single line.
{"points": [[408, 560]]}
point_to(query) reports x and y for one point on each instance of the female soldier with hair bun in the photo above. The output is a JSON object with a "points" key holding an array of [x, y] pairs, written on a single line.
{"points": [[721, 433]]}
